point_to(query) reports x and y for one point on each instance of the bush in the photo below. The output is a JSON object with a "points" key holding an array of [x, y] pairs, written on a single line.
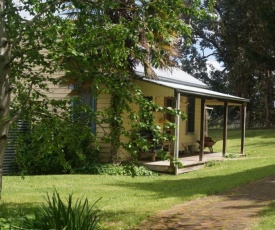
{"points": [[112, 169], [57, 215], [54, 145]]}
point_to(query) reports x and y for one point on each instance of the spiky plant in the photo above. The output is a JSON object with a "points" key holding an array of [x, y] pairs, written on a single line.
{"points": [[59, 215]]}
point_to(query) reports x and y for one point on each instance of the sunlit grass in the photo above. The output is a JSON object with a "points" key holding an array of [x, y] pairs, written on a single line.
{"points": [[258, 142], [126, 200], [267, 220]]}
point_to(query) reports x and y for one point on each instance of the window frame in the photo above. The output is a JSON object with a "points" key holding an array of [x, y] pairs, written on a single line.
{"points": [[86, 98]]}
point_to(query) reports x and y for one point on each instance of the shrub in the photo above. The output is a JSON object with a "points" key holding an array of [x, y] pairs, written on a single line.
{"points": [[210, 163], [112, 169], [54, 145], [55, 214], [230, 155]]}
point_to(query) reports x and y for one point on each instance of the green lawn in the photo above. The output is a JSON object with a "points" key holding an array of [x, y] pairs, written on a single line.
{"points": [[126, 201], [267, 220]]}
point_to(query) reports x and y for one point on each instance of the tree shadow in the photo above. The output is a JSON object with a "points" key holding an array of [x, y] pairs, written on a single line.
{"points": [[186, 188], [13, 210], [231, 209], [269, 211]]}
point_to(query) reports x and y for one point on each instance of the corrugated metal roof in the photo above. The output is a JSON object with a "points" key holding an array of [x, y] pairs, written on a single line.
{"points": [[199, 92], [174, 75], [187, 84]]}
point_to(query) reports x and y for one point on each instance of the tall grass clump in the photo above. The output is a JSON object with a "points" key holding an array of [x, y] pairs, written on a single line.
{"points": [[57, 215]]}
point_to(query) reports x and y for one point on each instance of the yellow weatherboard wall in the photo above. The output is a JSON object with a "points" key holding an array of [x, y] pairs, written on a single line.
{"points": [[158, 93], [154, 90]]}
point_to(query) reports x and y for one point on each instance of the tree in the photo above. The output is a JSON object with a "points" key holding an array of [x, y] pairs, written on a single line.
{"points": [[100, 43], [105, 40], [25, 68], [241, 37]]}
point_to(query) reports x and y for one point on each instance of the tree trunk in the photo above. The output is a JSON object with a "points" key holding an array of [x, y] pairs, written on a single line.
{"points": [[5, 89]]}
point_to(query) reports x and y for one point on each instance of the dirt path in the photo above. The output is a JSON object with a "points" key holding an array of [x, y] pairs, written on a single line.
{"points": [[235, 209]]}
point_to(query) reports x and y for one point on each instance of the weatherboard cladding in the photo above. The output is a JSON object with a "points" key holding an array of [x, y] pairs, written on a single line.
{"points": [[9, 156]]}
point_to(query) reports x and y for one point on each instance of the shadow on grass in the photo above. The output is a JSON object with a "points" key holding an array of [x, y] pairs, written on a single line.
{"points": [[245, 200], [180, 187], [13, 210], [13, 215], [267, 220], [269, 211], [187, 188]]}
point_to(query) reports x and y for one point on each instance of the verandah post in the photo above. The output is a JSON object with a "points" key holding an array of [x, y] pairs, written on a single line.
{"points": [[243, 117], [202, 129], [177, 130], [225, 121]]}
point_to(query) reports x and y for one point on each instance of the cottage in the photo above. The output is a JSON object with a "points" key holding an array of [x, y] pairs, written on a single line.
{"points": [[173, 88], [191, 96]]}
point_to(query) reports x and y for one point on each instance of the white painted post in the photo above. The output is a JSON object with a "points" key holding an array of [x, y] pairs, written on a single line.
{"points": [[177, 130], [243, 128]]}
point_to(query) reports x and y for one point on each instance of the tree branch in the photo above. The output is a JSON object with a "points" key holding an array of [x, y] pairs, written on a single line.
{"points": [[214, 53], [32, 21]]}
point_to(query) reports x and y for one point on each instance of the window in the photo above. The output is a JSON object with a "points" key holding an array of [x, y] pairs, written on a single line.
{"points": [[86, 99], [191, 115], [146, 116], [145, 109], [169, 102]]}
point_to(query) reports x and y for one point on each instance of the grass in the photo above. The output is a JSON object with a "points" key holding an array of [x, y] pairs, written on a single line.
{"points": [[267, 220], [126, 201]]}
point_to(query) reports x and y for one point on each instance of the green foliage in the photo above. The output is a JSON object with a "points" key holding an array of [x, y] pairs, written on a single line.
{"points": [[210, 163], [176, 162], [56, 214], [12, 219], [123, 194], [112, 169], [145, 135], [248, 59], [26, 69], [230, 155], [31, 66], [55, 145], [106, 40], [6, 224]]}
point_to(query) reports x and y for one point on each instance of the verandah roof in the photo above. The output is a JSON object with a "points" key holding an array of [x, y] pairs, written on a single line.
{"points": [[199, 92], [188, 85]]}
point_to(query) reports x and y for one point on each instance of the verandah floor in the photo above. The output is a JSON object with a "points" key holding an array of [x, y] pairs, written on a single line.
{"points": [[190, 163]]}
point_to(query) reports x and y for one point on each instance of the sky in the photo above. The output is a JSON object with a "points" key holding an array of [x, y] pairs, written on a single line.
{"points": [[23, 13], [215, 64]]}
